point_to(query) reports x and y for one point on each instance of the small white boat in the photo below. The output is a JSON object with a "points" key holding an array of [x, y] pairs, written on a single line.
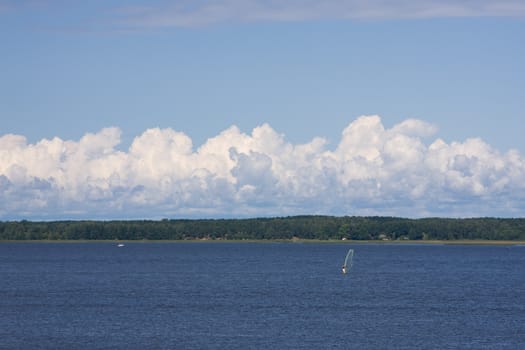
{"points": [[120, 245]]}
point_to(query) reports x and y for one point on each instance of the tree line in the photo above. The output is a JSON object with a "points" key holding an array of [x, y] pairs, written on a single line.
{"points": [[293, 227]]}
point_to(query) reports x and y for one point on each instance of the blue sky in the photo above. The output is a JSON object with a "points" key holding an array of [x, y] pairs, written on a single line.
{"points": [[114, 72]]}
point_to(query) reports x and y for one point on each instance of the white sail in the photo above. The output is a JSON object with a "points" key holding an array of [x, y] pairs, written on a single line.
{"points": [[347, 265]]}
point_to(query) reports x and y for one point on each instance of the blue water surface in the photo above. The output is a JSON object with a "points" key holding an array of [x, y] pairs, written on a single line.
{"points": [[261, 296]]}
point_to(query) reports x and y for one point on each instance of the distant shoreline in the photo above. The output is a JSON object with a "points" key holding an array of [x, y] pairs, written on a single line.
{"points": [[295, 228], [291, 241]]}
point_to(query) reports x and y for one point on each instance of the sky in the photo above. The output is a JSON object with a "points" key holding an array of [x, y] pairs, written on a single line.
{"points": [[122, 109]]}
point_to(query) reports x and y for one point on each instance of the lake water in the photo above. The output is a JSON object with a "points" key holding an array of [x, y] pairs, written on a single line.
{"points": [[261, 296]]}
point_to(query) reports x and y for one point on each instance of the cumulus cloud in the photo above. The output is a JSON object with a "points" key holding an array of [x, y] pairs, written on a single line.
{"points": [[206, 12], [372, 171]]}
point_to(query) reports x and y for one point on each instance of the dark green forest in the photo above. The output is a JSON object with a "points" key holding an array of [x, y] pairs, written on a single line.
{"points": [[294, 227]]}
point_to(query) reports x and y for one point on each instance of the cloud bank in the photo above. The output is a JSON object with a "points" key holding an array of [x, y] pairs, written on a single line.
{"points": [[206, 12], [371, 171]]}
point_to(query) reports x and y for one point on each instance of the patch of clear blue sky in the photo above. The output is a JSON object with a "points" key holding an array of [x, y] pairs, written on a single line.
{"points": [[64, 76]]}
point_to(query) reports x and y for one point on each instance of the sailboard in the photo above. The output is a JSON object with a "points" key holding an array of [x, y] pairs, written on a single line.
{"points": [[347, 265]]}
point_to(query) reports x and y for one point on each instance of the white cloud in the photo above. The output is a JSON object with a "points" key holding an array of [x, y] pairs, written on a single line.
{"points": [[201, 13], [372, 171]]}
